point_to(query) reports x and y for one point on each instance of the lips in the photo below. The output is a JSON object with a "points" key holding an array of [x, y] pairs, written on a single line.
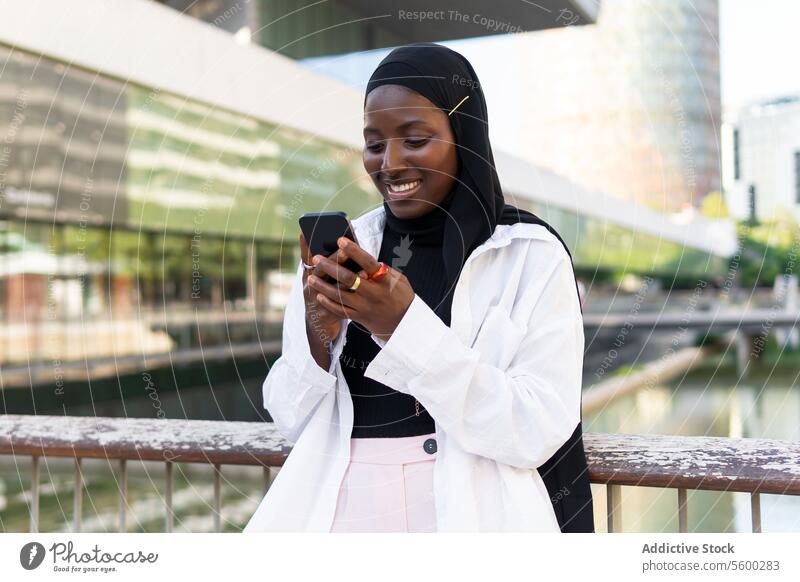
{"points": [[401, 190]]}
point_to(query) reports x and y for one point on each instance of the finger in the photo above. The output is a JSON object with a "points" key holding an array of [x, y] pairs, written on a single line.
{"points": [[334, 308], [333, 292], [338, 256], [338, 272], [305, 252], [335, 305], [365, 260]]}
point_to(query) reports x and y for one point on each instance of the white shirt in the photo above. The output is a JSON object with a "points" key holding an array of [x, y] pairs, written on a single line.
{"points": [[502, 383]]}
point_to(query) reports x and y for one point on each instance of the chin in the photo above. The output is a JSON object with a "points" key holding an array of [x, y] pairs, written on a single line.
{"points": [[409, 208]]}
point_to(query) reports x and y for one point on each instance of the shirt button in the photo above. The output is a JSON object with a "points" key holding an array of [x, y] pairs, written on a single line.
{"points": [[430, 446]]}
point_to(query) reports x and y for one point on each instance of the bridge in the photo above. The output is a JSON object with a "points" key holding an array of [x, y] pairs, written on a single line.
{"points": [[748, 322]]}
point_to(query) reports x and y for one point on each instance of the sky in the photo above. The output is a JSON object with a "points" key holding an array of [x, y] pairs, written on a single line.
{"points": [[759, 49]]}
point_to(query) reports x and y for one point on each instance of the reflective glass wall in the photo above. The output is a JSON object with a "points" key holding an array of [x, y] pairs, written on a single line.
{"points": [[135, 222], [600, 248]]}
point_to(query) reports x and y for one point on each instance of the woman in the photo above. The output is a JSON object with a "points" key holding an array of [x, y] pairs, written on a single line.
{"points": [[439, 388]]}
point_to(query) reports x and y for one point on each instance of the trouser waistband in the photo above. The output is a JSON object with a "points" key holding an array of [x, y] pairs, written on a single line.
{"points": [[393, 451]]}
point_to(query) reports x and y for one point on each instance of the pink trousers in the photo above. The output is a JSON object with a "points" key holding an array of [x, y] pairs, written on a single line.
{"points": [[388, 486]]}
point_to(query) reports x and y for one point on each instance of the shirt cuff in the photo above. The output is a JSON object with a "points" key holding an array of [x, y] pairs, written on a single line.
{"points": [[311, 374], [307, 367], [407, 352]]}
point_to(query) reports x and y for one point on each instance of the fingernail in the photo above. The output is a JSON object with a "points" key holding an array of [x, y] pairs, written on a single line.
{"points": [[315, 260], [342, 242]]}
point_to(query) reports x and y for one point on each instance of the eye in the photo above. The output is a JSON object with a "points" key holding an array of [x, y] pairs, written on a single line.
{"points": [[374, 146], [417, 141]]}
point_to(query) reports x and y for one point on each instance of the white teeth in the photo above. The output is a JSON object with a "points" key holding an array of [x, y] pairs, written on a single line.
{"points": [[403, 187]]}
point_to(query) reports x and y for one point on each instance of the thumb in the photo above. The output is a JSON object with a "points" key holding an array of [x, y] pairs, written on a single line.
{"points": [[305, 253]]}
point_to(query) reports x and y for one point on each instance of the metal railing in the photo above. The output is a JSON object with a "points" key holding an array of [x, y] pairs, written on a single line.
{"points": [[755, 466]]}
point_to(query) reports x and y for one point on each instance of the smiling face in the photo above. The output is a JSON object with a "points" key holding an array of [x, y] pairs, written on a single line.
{"points": [[409, 150]]}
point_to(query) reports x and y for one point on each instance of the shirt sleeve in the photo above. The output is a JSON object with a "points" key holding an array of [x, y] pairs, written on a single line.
{"points": [[520, 412], [296, 384]]}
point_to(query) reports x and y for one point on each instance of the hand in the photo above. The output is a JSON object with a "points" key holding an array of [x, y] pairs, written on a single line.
{"points": [[324, 323], [377, 305]]}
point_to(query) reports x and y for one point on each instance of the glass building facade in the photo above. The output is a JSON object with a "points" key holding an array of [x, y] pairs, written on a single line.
{"points": [[134, 221]]}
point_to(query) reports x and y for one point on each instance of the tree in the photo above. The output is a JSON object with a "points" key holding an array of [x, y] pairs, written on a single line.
{"points": [[713, 205]]}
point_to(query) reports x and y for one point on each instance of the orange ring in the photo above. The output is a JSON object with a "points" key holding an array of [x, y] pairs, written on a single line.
{"points": [[380, 273]]}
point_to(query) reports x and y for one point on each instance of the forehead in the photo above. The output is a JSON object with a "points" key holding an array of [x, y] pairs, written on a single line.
{"points": [[399, 102]]}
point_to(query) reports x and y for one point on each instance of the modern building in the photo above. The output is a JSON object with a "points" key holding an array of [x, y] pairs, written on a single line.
{"points": [[629, 106], [761, 159], [157, 179]]}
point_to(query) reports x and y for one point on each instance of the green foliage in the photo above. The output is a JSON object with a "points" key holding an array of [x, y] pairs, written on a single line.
{"points": [[766, 250], [714, 206], [627, 369]]}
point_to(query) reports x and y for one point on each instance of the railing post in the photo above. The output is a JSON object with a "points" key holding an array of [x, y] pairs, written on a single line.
{"points": [[267, 479], [78, 497], [614, 507], [168, 497], [123, 495], [683, 518], [34, 520], [755, 511], [217, 501]]}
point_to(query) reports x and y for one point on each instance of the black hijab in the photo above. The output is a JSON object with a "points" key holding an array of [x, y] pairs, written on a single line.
{"points": [[476, 204], [475, 207]]}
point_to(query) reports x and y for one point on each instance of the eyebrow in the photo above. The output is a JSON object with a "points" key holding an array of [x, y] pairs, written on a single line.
{"points": [[401, 126]]}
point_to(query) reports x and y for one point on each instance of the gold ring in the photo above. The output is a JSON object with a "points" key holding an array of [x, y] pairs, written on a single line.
{"points": [[355, 285]]}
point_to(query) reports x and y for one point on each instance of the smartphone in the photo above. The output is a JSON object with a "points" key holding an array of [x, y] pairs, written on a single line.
{"points": [[321, 231]]}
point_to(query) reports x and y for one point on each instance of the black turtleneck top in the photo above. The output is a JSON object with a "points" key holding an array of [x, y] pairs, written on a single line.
{"points": [[413, 247]]}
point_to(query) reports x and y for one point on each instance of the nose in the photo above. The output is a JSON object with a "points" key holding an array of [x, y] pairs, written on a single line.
{"points": [[393, 161]]}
